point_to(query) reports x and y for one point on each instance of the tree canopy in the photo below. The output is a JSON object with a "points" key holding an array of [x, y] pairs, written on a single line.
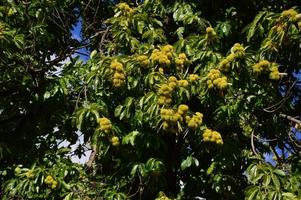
{"points": [[177, 100]]}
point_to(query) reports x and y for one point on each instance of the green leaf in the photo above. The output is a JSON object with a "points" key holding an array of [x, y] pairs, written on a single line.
{"points": [[252, 192], [19, 41], [276, 182], [134, 169], [253, 25], [69, 196], [186, 163], [46, 95], [266, 180], [279, 172], [130, 138], [289, 195], [118, 110]]}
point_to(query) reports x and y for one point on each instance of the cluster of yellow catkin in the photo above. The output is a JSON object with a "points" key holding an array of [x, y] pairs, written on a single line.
{"points": [[163, 56], [210, 33], [119, 74], [289, 15], [115, 141], [292, 15], [165, 93], [193, 77], [266, 66], [181, 60], [143, 60], [183, 83], [237, 51], [51, 182], [166, 89], [216, 80], [105, 124], [212, 136], [195, 121], [171, 117], [125, 8], [274, 72]]}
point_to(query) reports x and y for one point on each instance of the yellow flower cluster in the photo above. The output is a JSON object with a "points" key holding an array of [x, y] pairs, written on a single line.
{"points": [[168, 49], [181, 60], [212, 136], [164, 56], [193, 77], [183, 83], [115, 141], [105, 124], [238, 50], [195, 121], [290, 14], [172, 82], [213, 74], [51, 182], [143, 60], [119, 75], [297, 18], [164, 198], [166, 89], [171, 117], [260, 66], [165, 92], [125, 8], [210, 32], [215, 80], [224, 64], [182, 109], [265, 65], [274, 73]]}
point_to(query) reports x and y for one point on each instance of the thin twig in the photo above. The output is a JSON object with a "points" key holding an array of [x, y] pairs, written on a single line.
{"points": [[265, 140], [252, 144], [290, 118], [279, 104], [103, 39], [92, 156]]}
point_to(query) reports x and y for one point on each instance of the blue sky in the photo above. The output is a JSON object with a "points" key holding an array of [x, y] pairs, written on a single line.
{"points": [[77, 34]]}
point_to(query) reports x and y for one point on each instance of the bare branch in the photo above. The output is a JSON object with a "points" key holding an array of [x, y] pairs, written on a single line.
{"points": [[279, 104], [252, 144], [290, 118], [92, 157]]}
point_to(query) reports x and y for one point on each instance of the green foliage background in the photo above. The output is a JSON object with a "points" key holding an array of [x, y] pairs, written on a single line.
{"points": [[136, 156]]}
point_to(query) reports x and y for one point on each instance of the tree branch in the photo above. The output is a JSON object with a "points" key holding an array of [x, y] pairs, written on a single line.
{"points": [[290, 118], [252, 144], [92, 157]]}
